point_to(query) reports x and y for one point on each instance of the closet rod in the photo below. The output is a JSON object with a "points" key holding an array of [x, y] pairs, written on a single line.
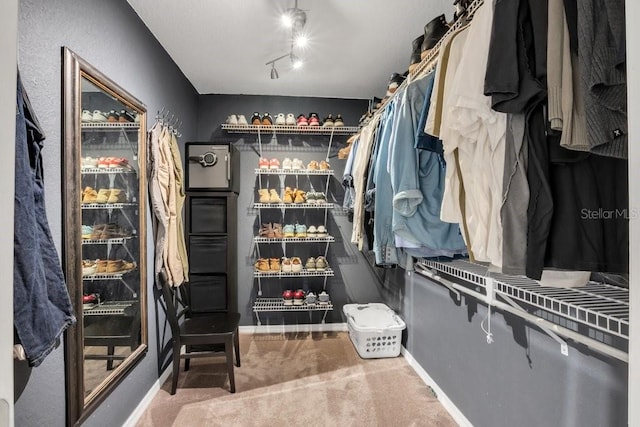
{"points": [[544, 324], [433, 55]]}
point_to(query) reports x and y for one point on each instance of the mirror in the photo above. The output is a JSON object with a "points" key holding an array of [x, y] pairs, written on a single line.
{"points": [[104, 248]]}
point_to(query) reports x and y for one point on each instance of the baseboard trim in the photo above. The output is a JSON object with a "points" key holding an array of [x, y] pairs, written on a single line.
{"points": [[278, 329], [146, 400], [448, 404]]}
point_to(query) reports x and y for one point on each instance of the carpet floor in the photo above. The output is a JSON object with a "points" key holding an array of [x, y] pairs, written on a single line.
{"points": [[298, 379]]}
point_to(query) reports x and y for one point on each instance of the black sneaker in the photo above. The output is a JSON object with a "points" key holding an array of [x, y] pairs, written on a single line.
{"points": [[328, 121], [255, 119], [126, 117], [113, 117], [338, 120], [267, 120]]}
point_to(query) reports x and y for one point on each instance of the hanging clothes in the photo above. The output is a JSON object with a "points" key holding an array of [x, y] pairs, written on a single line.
{"points": [[42, 308]]}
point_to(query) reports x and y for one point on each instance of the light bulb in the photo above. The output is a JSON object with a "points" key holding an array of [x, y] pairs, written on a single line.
{"points": [[287, 21], [301, 40], [297, 64]]}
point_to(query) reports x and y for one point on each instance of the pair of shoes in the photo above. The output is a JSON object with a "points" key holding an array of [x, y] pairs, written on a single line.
{"points": [[89, 162], [264, 163], [113, 162], [291, 265], [111, 195], [234, 119], [267, 265], [290, 297], [297, 230], [288, 120], [294, 195], [266, 195], [329, 121], [315, 197], [114, 266], [96, 116], [322, 165], [271, 231], [319, 231], [295, 164], [265, 120], [107, 231]]}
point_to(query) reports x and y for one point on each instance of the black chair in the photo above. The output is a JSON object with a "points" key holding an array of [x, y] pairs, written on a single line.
{"points": [[202, 335]]}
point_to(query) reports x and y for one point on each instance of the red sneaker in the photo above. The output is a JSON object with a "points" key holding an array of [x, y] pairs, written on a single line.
{"points": [[263, 163], [287, 296], [298, 297], [302, 120]]}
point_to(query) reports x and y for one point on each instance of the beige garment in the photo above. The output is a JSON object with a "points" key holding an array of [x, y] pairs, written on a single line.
{"points": [[180, 197], [156, 177]]}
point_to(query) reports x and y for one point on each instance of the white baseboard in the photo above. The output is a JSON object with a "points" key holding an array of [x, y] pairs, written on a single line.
{"points": [[278, 329], [453, 410], [144, 403]]}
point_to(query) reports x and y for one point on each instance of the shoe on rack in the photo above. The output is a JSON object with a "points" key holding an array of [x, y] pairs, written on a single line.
{"points": [[267, 120], [296, 164], [311, 298], [312, 231], [274, 264], [287, 297], [263, 163], [313, 120], [290, 120], [298, 297], [280, 120], [323, 298], [89, 195], [255, 119], [87, 231], [416, 47], [274, 164], [89, 162], [321, 231], [320, 198], [310, 264], [286, 163], [232, 119], [285, 265], [288, 195], [321, 263], [242, 120], [277, 231], [89, 267], [302, 120], [313, 165], [324, 165], [394, 82], [266, 231], [274, 197], [301, 231], [289, 230], [262, 264], [296, 265], [263, 194], [311, 197], [103, 196], [117, 195], [99, 117], [299, 196], [433, 32], [113, 117], [328, 121], [338, 120], [86, 116], [126, 117]]}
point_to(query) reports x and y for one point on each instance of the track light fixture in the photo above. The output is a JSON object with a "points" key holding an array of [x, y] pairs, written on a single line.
{"points": [[274, 72], [295, 19]]}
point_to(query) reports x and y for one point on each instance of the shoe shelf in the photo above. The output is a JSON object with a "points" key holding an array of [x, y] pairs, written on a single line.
{"points": [[109, 126], [322, 172], [327, 239], [110, 308], [114, 241], [107, 205], [304, 273], [293, 205], [106, 171], [262, 305], [291, 129]]}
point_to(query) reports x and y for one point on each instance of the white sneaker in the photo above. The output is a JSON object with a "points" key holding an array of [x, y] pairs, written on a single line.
{"points": [[286, 163], [86, 116], [232, 120], [296, 164], [99, 117], [321, 231], [290, 120], [242, 120], [280, 120]]}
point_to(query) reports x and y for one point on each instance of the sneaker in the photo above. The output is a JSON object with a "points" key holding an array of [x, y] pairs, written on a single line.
{"points": [[262, 265], [299, 196], [232, 120], [313, 165], [320, 198], [86, 116], [103, 162], [321, 263], [296, 164], [288, 195], [274, 265], [311, 298], [321, 231], [263, 194], [286, 163], [98, 117], [89, 267], [274, 197], [113, 117], [287, 297], [280, 120], [285, 265], [267, 120], [290, 120], [289, 230], [296, 265], [311, 197], [310, 264], [242, 120], [116, 195], [328, 121], [338, 120], [274, 164], [125, 117], [263, 163], [89, 162], [136, 117], [324, 166], [255, 119], [302, 120], [312, 231], [298, 297], [323, 298], [313, 120], [301, 230], [87, 231]]}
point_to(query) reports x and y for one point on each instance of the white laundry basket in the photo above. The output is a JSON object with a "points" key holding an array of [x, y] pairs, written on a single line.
{"points": [[374, 329]]}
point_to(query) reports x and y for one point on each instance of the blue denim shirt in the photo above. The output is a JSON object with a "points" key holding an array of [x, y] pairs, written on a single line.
{"points": [[41, 305]]}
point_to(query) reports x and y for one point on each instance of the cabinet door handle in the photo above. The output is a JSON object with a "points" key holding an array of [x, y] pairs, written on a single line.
{"points": [[227, 159]]}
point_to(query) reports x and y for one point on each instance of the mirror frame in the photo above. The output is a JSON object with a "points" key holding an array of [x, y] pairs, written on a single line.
{"points": [[80, 407]]}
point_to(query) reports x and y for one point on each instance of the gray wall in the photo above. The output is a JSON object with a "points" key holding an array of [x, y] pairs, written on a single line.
{"points": [[521, 378], [354, 280], [110, 36]]}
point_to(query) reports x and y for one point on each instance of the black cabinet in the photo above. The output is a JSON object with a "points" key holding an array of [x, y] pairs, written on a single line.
{"points": [[211, 229]]}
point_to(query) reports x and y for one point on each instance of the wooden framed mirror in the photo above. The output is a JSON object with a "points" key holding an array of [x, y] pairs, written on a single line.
{"points": [[105, 237]]}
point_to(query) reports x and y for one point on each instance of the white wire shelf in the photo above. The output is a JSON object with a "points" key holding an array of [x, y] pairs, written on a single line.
{"points": [[109, 126], [110, 308], [100, 171], [106, 276], [325, 172], [106, 205], [598, 305], [290, 130], [304, 273], [119, 240], [277, 304], [293, 206], [327, 239]]}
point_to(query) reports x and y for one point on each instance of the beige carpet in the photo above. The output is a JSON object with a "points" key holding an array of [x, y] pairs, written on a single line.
{"points": [[302, 379]]}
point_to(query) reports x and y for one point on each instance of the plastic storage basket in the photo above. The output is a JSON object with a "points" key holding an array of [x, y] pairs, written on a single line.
{"points": [[374, 329]]}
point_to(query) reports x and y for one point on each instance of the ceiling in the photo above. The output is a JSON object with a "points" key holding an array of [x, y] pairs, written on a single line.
{"points": [[354, 45]]}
